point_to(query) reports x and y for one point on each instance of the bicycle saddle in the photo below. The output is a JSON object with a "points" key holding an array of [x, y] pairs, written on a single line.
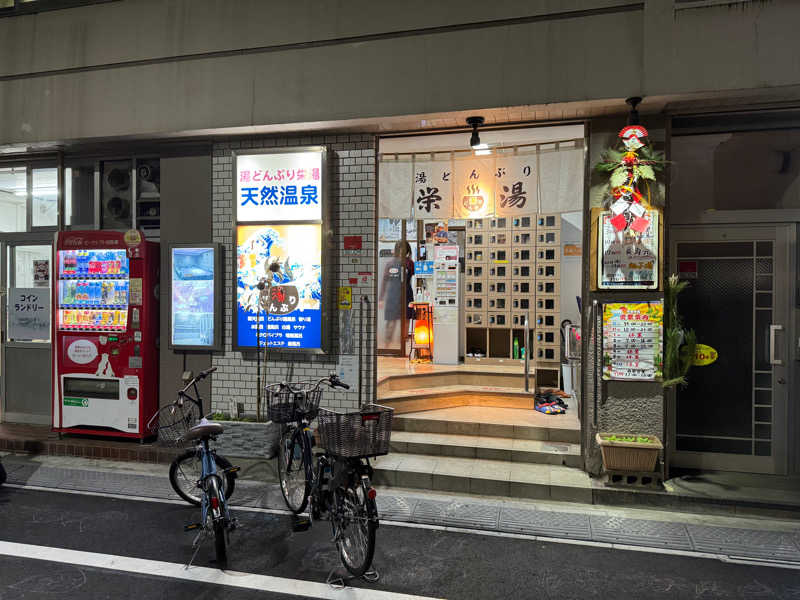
{"points": [[203, 429]]}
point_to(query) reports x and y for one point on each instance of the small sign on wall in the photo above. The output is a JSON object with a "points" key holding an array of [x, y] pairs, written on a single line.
{"points": [[632, 341], [28, 314], [628, 257], [41, 273]]}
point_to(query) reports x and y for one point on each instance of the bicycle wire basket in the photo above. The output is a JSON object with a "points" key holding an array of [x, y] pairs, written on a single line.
{"points": [[356, 434], [172, 422], [289, 404]]}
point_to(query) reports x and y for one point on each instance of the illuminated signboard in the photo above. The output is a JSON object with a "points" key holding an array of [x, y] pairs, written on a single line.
{"points": [[278, 234], [195, 295], [292, 293], [282, 186]]}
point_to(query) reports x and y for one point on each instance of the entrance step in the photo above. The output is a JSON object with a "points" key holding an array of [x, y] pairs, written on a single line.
{"points": [[449, 396], [518, 424], [492, 448], [483, 476], [439, 378]]}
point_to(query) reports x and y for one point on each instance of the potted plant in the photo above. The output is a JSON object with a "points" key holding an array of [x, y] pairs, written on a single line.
{"points": [[625, 452]]}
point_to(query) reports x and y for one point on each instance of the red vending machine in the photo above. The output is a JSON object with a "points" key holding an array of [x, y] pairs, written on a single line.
{"points": [[105, 327]]}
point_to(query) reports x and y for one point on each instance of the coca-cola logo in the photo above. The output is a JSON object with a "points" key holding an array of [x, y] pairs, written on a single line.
{"points": [[80, 242]]}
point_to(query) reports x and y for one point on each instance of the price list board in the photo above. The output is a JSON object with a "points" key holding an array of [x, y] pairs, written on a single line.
{"points": [[632, 341]]}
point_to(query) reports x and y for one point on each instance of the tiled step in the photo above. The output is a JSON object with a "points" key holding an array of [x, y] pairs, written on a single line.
{"points": [[492, 422], [448, 396], [482, 476], [492, 448]]}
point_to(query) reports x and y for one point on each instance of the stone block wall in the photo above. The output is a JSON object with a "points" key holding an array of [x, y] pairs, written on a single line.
{"points": [[351, 194]]}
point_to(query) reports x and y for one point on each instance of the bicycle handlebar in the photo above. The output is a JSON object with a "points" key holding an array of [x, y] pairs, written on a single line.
{"points": [[332, 380]]}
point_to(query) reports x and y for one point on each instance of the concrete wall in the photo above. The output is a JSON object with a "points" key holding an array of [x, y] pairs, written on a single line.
{"points": [[622, 406], [185, 218], [351, 195], [151, 67]]}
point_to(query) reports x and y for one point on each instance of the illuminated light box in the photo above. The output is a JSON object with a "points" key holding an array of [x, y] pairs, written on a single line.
{"points": [[195, 297], [280, 186], [295, 296], [280, 211]]}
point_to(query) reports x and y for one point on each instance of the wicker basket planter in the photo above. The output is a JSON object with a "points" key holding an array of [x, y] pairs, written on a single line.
{"points": [[638, 456]]}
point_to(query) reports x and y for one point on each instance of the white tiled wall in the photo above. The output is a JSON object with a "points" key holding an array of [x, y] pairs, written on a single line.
{"points": [[351, 193]]}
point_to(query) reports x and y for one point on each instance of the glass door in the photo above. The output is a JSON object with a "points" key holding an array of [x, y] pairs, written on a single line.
{"points": [[732, 415], [393, 275], [26, 314]]}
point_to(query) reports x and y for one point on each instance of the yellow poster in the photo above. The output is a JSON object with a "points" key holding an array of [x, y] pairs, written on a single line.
{"points": [[632, 340], [345, 297]]}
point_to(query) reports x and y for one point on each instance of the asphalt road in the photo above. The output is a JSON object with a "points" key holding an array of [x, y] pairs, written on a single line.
{"points": [[411, 560]]}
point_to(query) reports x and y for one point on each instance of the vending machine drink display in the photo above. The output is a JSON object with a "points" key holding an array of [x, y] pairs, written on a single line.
{"points": [[105, 359]]}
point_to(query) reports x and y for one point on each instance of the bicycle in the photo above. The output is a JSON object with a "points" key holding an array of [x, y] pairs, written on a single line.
{"points": [[216, 519], [174, 421], [338, 483]]}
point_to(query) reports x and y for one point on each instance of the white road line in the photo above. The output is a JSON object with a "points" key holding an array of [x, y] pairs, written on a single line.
{"points": [[157, 568], [503, 534]]}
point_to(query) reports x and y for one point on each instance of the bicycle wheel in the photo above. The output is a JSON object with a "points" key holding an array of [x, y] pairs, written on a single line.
{"points": [[292, 473], [355, 535], [186, 470], [218, 525]]}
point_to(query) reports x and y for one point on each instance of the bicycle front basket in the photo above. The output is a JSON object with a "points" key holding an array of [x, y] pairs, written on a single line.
{"points": [[287, 405], [172, 422], [280, 404], [356, 434]]}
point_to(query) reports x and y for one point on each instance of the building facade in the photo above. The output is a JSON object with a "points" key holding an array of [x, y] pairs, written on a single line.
{"points": [[191, 83]]}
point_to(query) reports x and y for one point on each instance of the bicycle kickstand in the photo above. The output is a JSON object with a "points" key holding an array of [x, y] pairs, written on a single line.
{"points": [[337, 581]]}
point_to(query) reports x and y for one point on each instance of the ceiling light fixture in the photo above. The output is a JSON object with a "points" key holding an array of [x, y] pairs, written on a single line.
{"points": [[633, 115], [475, 139]]}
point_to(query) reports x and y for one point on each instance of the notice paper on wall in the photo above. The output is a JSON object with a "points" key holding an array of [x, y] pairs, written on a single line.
{"points": [[347, 370], [28, 314], [632, 340]]}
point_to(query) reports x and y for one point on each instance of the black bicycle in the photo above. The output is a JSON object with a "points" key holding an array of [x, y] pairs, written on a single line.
{"points": [[337, 480], [172, 423]]}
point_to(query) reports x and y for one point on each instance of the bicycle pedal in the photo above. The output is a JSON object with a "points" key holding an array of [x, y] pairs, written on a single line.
{"points": [[192, 526], [233, 470], [301, 524]]}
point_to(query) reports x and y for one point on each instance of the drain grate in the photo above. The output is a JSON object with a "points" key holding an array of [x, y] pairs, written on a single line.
{"points": [[395, 508], [640, 532], [751, 543], [457, 514], [545, 523]]}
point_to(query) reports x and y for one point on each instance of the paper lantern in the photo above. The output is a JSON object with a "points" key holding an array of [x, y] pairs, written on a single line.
{"points": [[421, 333]]}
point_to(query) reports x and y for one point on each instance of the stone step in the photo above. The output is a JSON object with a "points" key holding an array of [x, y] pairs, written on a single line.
{"points": [[483, 476], [492, 448], [449, 396], [493, 422]]}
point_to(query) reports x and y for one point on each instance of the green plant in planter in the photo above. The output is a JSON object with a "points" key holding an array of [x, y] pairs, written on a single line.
{"points": [[679, 343], [629, 438]]}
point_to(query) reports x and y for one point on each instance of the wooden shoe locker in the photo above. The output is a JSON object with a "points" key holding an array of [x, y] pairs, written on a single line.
{"points": [[512, 271]]}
